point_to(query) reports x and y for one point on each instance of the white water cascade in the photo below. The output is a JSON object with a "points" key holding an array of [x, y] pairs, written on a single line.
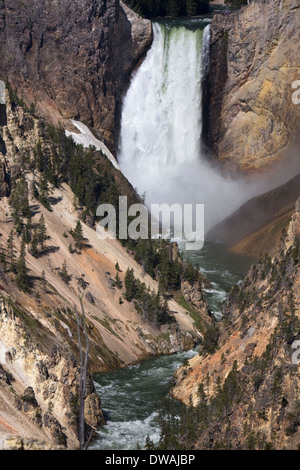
{"points": [[161, 122], [161, 126]]}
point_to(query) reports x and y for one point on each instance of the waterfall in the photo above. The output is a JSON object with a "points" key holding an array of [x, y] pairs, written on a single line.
{"points": [[161, 126], [162, 113]]}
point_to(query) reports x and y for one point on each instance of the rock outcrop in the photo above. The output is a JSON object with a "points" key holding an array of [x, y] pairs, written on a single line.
{"points": [[72, 59], [246, 394], [40, 381], [193, 293], [250, 117]]}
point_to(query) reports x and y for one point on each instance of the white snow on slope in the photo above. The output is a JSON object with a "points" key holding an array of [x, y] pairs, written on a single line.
{"points": [[86, 138]]}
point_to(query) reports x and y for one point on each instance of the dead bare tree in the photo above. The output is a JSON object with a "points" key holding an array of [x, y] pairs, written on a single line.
{"points": [[81, 325]]}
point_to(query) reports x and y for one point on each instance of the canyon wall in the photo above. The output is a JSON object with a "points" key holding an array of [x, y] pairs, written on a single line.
{"points": [[246, 393], [72, 59], [250, 119]]}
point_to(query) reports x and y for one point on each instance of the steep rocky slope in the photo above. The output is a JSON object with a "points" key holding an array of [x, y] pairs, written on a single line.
{"points": [[246, 394], [72, 59], [256, 226], [250, 117], [39, 382], [39, 344]]}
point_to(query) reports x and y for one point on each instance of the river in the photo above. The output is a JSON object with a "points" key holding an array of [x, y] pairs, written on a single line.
{"points": [[132, 397], [161, 153]]}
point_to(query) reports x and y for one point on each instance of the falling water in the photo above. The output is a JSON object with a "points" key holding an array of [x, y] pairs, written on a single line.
{"points": [[160, 142], [161, 122]]}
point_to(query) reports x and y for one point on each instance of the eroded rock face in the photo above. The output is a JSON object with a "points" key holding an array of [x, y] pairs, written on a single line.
{"points": [[19, 443], [294, 227], [251, 119], [50, 399], [259, 331], [193, 293], [72, 59]]}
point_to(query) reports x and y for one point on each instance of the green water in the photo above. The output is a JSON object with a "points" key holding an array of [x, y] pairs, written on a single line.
{"points": [[131, 397], [222, 268]]}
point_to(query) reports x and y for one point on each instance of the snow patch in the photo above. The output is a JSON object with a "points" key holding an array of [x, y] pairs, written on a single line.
{"points": [[2, 92], [86, 138]]}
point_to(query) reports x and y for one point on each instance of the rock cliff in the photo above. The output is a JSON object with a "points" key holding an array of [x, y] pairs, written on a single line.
{"points": [[39, 383], [250, 119], [256, 226], [72, 59], [246, 394]]}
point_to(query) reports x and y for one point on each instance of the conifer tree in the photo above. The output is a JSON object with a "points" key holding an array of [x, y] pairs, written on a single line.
{"points": [[39, 157], [64, 274], [118, 281], [27, 231], [77, 234], [34, 190], [129, 285], [191, 7], [173, 8], [18, 223], [41, 232], [11, 252], [3, 259], [44, 192], [34, 244], [19, 199], [22, 279]]}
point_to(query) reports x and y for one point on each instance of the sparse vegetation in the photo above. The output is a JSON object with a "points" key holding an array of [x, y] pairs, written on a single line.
{"points": [[149, 304], [64, 273], [77, 234]]}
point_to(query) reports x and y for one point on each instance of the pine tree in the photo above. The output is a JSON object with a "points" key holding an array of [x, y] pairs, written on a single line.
{"points": [[71, 249], [34, 244], [32, 108], [44, 192], [117, 267], [41, 232], [173, 8], [118, 281], [64, 274], [19, 200], [191, 7], [175, 275], [77, 234], [39, 157], [22, 279], [129, 285], [27, 231], [18, 223], [34, 190], [3, 259], [11, 252], [149, 444]]}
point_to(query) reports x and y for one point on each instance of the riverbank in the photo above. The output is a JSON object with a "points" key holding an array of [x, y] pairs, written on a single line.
{"points": [[132, 397]]}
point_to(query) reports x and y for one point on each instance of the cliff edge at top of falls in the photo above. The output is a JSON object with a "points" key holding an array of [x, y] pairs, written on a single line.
{"points": [[250, 117], [72, 59]]}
